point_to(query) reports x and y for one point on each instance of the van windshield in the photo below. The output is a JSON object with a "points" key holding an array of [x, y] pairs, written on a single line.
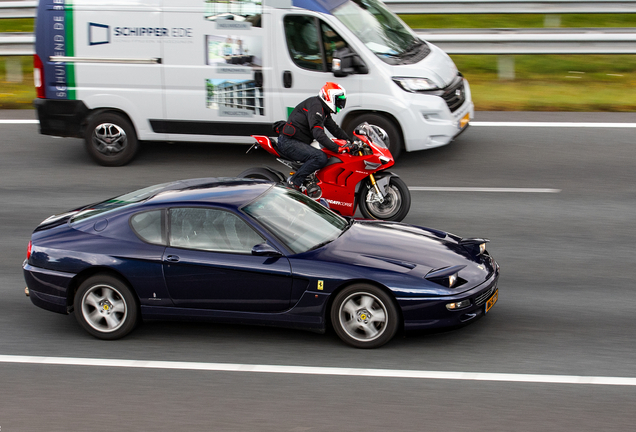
{"points": [[386, 35]]}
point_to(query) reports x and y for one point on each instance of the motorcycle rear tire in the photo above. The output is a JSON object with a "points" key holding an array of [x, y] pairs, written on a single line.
{"points": [[261, 174], [396, 205]]}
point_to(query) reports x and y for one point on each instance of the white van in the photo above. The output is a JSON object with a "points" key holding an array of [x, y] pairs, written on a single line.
{"points": [[117, 71]]}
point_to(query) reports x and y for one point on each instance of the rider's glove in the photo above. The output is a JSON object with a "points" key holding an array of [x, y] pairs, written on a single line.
{"points": [[347, 148]]}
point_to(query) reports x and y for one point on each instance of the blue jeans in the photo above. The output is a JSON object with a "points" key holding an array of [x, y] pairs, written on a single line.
{"points": [[293, 149]]}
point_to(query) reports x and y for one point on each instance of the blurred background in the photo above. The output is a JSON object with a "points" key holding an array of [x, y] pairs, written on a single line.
{"points": [[551, 56]]}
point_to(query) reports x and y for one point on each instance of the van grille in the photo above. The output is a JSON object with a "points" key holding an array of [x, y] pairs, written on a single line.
{"points": [[455, 94]]}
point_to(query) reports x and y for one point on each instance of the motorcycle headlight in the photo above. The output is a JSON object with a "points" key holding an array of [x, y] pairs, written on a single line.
{"points": [[414, 85]]}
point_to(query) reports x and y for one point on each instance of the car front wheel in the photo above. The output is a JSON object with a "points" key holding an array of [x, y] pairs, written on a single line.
{"points": [[364, 316], [105, 307]]}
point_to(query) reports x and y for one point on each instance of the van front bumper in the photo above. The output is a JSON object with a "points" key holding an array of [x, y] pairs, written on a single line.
{"points": [[429, 123], [63, 118]]}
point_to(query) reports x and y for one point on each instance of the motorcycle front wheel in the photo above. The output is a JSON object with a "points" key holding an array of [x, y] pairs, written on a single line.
{"points": [[394, 207]]}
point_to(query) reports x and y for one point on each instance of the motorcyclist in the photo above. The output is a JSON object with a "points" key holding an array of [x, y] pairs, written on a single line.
{"points": [[306, 123]]}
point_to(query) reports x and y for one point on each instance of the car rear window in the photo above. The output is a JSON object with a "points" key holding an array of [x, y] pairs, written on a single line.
{"points": [[119, 202], [149, 226]]}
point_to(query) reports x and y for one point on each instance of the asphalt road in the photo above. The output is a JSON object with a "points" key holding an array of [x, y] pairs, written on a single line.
{"points": [[566, 307]]}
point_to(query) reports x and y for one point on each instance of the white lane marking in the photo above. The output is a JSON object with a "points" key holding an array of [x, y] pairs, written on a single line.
{"points": [[554, 124], [329, 371], [19, 121], [480, 189]]}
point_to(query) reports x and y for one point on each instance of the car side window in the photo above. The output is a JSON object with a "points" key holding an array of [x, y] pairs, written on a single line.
{"points": [[149, 226], [211, 230]]}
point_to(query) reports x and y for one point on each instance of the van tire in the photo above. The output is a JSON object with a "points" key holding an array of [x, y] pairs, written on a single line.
{"points": [[111, 139], [395, 137]]}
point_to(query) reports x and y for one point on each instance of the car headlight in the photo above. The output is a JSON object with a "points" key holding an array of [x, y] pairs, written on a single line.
{"points": [[414, 85], [458, 305]]}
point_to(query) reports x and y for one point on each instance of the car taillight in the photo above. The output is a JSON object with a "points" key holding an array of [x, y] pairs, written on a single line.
{"points": [[29, 248], [38, 77]]}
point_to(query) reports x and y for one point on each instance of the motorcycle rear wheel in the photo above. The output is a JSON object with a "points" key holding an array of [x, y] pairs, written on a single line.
{"points": [[396, 205], [261, 174]]}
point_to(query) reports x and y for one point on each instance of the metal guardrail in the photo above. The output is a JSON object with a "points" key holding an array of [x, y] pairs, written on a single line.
{"points": [[17, 44], [533, 41], [511, 6], [513, 41], [18, 9]]}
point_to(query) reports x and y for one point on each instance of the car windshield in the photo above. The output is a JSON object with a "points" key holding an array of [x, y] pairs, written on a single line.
{"points": [[386, 35], [118, 202], [298, 221]]}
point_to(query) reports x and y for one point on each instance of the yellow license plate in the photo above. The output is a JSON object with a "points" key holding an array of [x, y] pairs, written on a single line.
{"points": [[464, 121], [492, 300]]}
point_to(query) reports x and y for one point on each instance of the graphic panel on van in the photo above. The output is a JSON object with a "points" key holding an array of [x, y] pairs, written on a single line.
{"points": [[235, 98], [234, 14]]}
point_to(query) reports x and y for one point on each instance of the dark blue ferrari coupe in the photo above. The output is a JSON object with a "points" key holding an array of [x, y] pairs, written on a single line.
{"points": [[253, 252]]}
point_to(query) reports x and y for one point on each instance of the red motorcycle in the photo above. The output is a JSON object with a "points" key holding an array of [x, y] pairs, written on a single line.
{"points": [[349, 179]]}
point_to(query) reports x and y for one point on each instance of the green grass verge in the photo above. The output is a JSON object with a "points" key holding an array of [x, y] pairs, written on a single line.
{"points": [[487, 21], [16, 25]]}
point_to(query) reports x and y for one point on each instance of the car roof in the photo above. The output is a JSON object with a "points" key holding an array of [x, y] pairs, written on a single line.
{"points": [[213, 190]]}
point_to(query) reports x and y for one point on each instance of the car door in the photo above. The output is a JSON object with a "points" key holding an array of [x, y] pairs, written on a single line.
{"points": [[208, 264], [304, 65]]}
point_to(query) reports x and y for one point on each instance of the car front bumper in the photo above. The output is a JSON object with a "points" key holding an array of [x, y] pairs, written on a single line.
{"points": [[430, 313]]}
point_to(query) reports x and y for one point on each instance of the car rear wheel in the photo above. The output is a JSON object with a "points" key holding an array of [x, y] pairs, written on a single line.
{"points": [[364, 316], [111, 139], [105, 307], [261, 174], [394, 206]]}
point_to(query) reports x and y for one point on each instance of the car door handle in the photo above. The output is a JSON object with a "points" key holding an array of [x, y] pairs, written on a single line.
{"points": [[172, 258]]}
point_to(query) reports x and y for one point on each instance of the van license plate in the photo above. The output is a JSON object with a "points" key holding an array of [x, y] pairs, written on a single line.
{"points": [[464, 121], [491, 301]]}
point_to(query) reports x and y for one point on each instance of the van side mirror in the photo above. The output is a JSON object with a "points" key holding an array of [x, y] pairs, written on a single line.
{"points": [[346, 62]]}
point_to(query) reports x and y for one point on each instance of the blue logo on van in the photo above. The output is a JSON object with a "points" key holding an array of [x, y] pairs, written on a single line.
{"points": [[98, 34]]}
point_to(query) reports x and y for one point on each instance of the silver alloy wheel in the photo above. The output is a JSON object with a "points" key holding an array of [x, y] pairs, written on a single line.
{"points": [[363, 316], [387, 208], [104, 308], [109, 138]]}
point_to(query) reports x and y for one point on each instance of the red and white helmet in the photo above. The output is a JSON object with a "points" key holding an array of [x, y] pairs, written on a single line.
{"points": [[333, 96]]}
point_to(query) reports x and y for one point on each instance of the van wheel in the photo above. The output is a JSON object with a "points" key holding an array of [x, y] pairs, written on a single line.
{"points": [[111, 139], [395, 138]]}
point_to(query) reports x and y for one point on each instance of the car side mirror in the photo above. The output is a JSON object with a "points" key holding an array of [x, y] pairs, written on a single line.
{"points": [[346, 62], [265, 249]]}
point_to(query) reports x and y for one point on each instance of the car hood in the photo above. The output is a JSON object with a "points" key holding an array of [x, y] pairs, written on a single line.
{"points": [[407, 249]]}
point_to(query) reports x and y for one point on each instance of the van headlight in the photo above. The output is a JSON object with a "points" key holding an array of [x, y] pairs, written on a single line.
{"points": [[414, 85]]}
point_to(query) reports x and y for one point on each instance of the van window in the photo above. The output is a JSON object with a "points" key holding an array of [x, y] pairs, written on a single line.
{"points": [[311, 42]]}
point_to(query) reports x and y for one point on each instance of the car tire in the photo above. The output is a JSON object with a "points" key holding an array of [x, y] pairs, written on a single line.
{"points": [[364, 316], [261, 174], [105, 307], [396, 205], [395, 137], [111, 139]]}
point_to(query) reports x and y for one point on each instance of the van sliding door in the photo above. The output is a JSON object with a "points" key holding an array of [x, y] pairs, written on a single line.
{"points": [[215, 76]]}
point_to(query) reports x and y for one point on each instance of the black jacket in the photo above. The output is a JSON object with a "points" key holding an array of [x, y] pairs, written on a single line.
{"points": [[309, 120]]}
